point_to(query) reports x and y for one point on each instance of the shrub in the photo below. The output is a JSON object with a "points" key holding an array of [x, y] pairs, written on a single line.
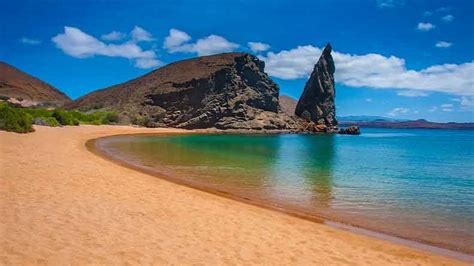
{"points": [[15, 120], [65, 118], [110, 118], [46, 121]]}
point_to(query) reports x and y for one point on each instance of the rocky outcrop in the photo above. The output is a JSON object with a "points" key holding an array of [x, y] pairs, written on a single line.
{"points": [[316, 105], [352, 130], [226, 91], [22, 89]]}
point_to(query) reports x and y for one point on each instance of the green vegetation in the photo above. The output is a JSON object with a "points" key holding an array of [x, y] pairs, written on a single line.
{"points": [[20, 120], [15, 119]]}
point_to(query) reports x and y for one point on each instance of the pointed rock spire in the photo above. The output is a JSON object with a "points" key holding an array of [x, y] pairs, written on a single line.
{"points": [[316, 104]]}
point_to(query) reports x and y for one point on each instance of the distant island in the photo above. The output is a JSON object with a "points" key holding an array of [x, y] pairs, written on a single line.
{"points": [[420, 123]]}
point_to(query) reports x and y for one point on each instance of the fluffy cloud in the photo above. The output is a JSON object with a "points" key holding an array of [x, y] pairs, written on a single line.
{"points": [[30, 41], [113, 36], [448, 18], [139, 34], [466, 103], [422, 26], [292, 64], [373, 71], [213, 44], [79, 44], [398, 111], [146, 63], [412, 93], [443, 44], [258, 46], [178, 41], [175, 40]]}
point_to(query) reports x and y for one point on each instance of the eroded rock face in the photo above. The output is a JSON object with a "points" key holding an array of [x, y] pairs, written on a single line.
{"points": [[226, 91], [316, 104]]}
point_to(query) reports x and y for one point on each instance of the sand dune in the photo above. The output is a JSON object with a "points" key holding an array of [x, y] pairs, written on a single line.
{"points": [[60, 203]]}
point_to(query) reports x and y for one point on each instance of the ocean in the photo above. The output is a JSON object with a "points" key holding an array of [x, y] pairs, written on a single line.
{"points": [[415, 184]]}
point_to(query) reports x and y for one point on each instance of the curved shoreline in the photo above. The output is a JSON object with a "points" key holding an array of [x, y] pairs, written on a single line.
{"points": [[414, 243], [62, 204]]}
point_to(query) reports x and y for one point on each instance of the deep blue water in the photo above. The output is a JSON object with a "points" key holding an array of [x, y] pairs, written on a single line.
{"points": [[412, 183]]}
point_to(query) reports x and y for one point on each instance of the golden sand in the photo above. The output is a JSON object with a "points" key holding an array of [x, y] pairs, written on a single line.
{"points": [[60, 203]]}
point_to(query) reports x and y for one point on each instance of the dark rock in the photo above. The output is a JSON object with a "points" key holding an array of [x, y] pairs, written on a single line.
{"points": [[316, 104], [39, 121], [226, 91], [352, 130]]}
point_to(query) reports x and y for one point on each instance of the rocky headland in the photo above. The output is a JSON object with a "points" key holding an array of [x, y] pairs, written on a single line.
{"points": [[227, 91]]}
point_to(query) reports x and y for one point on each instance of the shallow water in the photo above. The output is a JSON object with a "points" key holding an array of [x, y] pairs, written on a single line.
{"points": [[415, 184]]}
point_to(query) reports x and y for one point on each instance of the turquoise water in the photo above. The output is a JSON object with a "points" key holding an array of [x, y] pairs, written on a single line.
{"points": [[415, 184]]}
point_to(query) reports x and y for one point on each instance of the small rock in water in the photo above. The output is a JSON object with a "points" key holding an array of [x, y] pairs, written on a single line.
{"points": [[352, 130]]}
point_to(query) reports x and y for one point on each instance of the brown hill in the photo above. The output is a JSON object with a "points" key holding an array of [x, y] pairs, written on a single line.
{"points": [[17, 84], [420, 123], [226, 91], [288, 105]]}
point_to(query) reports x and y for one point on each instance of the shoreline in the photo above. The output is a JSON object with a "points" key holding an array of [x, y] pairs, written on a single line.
{"points": [[62, 203], [93, 146]]}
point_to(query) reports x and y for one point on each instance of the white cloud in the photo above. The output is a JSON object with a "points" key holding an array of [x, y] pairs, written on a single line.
{"points": [[422, 26], [175, 40], [412, 93], [389, 3], [258, 46], [373, 71], [212, 44], [145, 63], [79, 44], [447, 107], [448, 18], [433, 109], [443, 44], [291, 64], [466, 103], [30, 41], [398, 111], [427, 13], [139, 34], [113, 36]]}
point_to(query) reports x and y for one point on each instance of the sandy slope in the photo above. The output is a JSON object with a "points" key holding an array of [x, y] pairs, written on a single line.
{"points": [[61, 203]]}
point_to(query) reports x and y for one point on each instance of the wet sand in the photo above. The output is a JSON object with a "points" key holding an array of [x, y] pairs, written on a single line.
{"points": [[60, 203]]}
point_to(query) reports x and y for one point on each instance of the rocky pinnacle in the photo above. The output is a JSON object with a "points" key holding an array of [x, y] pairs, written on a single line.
{"points": [[316, 104]]}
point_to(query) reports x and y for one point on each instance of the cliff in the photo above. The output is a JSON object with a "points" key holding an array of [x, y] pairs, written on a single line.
{"points": [[316, 104], [226, 91]]}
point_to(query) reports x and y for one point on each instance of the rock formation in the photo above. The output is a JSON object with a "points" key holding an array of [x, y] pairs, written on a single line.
{"points": [[352, 130], [25, 90], [226, 91], [316, 104]]}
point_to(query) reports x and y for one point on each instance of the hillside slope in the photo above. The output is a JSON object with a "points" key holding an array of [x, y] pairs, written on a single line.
{"points": [[19, 85]]}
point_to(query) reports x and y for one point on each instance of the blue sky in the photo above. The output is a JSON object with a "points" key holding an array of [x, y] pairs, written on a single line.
{"points": [[398, 58]]}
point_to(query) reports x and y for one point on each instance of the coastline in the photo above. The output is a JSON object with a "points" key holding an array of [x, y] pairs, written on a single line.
{"points": [[97, 146], [61, 203]]}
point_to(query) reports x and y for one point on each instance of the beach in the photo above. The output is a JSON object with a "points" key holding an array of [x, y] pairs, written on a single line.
{"points": [[61, 203]]}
